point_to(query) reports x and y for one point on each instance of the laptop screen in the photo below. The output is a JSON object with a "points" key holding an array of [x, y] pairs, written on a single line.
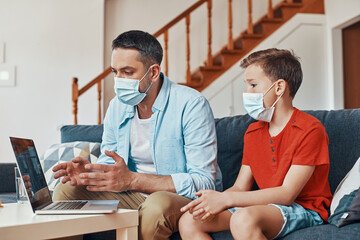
{"points": [[31, 172]]}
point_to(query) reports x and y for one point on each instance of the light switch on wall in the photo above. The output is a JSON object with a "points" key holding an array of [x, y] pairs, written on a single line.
{"points": [[7, 75], [2, 52]]}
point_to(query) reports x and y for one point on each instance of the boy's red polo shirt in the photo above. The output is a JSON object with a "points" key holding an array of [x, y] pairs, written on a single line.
{"points": [[303, 141]]}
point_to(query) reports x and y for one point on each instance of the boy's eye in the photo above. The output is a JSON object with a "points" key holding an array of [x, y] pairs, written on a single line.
{"points": [[253, 85]]}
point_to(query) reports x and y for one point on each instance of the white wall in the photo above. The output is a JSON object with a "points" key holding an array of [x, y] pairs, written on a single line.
{"points": [[49, 42]]}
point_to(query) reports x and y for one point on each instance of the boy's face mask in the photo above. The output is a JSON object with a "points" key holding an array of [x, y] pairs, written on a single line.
{"points": [[127, 90], [254, 105]]}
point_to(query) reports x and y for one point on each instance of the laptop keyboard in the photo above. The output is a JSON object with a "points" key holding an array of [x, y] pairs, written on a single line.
{"points": [[67, 205]]}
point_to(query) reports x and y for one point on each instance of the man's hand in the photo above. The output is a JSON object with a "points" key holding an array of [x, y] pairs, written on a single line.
{"points": [[208, 204], [71, 170], [102, 177]]}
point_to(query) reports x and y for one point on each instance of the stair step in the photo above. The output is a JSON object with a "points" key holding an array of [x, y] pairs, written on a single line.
{"points": [[292, 5], [270, 25], [211, 68], [290, 9], [233, 51], [254, 35], [272, 20]]}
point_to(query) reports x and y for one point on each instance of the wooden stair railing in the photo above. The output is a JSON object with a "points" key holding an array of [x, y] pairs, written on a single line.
{"points": [[235, 48]]}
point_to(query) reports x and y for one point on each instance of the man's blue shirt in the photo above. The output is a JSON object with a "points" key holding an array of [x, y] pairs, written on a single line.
{"points": [[182, 138]]}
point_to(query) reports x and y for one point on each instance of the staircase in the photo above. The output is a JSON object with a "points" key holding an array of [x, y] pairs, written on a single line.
{"points": [[235, 49], [249, 39]]}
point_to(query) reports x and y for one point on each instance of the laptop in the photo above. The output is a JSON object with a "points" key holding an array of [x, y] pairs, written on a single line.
{"points": [[38, 192]]}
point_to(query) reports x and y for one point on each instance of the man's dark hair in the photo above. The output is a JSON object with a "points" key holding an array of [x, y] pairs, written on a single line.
{"points": [[150, 50], [277, 64]]}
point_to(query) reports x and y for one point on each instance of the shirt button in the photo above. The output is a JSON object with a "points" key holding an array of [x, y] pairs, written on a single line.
{"points": [[293, 121], [273, 159], [263, 123], [272, 150], [271, 141]]}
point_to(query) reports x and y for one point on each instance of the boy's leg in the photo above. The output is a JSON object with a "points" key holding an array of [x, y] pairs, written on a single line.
{"points": [[256, 222], [193, 229], [160, 214]]}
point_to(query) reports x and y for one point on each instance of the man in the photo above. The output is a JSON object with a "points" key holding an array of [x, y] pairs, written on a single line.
{"points": [[159, 139]]}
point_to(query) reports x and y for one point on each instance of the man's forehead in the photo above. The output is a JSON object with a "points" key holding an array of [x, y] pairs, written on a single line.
{"points": [[124, 57]]}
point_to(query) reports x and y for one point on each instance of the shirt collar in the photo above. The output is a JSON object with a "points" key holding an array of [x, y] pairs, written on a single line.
{"points": [[163, 96]]}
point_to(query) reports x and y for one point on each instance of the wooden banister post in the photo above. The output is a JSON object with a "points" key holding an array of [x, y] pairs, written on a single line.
{"points": [[230, 45], [209, 54], [75, 97], [166, 39], [99, 102], [188, 74], [250, 29], [270, 13]]}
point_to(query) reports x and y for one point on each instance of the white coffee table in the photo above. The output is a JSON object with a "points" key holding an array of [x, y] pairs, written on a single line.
{"points": [[17, 221]]}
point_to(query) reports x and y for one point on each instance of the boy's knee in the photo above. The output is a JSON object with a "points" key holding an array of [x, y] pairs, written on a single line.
{"points": [[244, 224], [187, 226], [241, 220]]}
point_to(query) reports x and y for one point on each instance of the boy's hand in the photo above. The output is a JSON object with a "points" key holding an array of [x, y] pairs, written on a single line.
{"points": [[208, 204]]}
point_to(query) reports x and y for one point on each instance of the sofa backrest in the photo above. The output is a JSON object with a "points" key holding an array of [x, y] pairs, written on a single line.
{"points": [[342, 127], [7, 177]]}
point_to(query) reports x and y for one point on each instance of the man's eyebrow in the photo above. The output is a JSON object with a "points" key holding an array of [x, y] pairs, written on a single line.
{"points": [[123, 68]]}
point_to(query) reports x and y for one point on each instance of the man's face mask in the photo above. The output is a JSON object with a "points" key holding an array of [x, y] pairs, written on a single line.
{"points": [[254, 105], [127, 90]]}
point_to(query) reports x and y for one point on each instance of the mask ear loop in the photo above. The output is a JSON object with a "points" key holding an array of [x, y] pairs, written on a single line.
{"points": [[269, 89], [145, 74], [143, 78], [277, 100]]}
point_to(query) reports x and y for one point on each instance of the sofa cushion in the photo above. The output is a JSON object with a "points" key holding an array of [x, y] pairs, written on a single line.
{"points": [[88, 133], [230, 136], [345, 206], [342, 127], [64, 152]]}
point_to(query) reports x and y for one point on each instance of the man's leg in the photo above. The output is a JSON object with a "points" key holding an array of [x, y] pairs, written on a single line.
{"points": [[160, 214], [128, 200], [256, 222]]}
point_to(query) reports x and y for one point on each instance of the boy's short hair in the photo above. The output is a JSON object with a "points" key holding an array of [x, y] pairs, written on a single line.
{"points": [[150, 50], [277, 64]]}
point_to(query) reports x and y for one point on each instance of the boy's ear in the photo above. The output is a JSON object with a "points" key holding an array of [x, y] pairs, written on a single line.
{"points": [[280, 87]]}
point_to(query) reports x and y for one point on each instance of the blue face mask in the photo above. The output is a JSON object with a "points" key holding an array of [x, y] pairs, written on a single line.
{"points": [[127, 90], [254, 105]]}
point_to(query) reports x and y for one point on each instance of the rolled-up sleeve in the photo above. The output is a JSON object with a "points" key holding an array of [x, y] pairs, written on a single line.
{"points": [[200, 149]]}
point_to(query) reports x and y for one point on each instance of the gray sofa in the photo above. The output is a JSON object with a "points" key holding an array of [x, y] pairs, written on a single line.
{"points": [[342, 127]]}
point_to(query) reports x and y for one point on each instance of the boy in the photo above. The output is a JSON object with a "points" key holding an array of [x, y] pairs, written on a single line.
{"points": [[285, 152]]}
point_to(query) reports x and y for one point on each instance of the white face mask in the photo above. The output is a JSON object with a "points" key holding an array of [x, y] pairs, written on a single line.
{"points": [[254, 105], [127, 90]]}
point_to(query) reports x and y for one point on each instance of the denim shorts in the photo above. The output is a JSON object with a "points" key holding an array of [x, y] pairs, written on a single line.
{"points": [[295, 217]]}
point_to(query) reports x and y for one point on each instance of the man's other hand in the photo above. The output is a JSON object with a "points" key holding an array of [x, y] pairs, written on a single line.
{"points": [[71, 170]]}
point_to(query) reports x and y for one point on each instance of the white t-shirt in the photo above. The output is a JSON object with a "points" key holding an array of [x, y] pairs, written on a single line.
{"points": [[140, 145]]}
